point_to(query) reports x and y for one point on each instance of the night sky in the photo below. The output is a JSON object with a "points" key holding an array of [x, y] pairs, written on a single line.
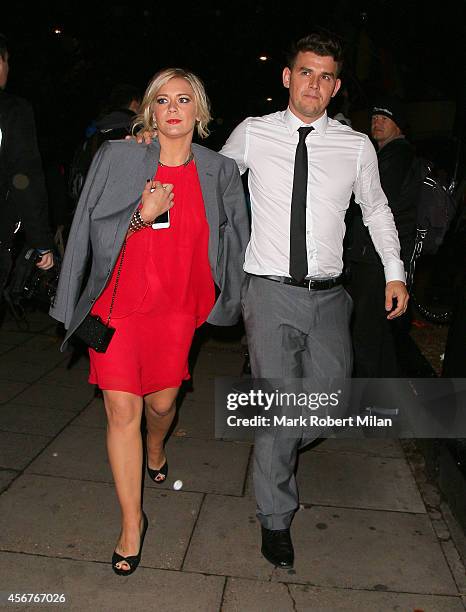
{"points": [[399, 46]]}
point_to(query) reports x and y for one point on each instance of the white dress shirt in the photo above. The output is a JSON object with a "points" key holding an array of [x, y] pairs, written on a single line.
{"points": [[341, 162]]}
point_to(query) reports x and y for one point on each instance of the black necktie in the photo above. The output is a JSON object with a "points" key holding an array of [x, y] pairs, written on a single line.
{"points": [[298, 250]]}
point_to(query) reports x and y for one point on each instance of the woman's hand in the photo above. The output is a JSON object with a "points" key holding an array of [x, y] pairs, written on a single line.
{"points": [[156, 199]]}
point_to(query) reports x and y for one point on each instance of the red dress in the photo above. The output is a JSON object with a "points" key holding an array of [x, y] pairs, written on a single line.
{"points": [[165, 291]]}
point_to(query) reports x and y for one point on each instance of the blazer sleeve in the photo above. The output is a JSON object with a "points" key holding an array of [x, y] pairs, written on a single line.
{"points": [[78, 244], [234, 237]]}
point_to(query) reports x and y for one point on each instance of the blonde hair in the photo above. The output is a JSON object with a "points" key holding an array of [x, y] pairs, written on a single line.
{"points": [[145, 120]]}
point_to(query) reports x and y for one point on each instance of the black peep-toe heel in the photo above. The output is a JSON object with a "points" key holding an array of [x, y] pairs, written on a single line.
{"points": [[132, 561]]}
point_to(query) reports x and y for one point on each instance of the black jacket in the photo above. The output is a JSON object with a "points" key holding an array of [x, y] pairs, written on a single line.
{"points": [[399, 185], [117, 123], [23, 196]]}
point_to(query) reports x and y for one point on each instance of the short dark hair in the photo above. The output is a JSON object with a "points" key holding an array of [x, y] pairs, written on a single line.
{"points": [[320, 44], [122, 95], [3, 46]]}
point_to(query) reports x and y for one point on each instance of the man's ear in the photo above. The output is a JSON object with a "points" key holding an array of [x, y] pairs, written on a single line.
{"points": [[286, 77], [336, 88]]}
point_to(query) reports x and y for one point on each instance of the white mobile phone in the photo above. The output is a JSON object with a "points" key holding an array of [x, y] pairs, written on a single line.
{"points": [[162, 221]]}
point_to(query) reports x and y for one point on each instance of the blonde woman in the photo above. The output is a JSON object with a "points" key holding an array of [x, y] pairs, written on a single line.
{"points": [[166, 223]]}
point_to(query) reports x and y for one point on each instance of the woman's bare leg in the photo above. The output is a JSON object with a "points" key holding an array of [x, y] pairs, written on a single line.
{"points": [[160, 410], [124, 445]]}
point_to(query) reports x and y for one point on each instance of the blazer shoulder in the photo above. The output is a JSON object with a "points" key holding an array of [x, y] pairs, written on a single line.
{"points": [[125, 149], [213, 158], [205, 152]]}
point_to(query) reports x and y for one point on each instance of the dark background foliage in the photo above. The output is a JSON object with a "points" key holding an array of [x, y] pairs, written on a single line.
{"points": [[394, 45]]}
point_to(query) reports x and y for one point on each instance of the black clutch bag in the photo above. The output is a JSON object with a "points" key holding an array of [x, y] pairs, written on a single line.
{"points": [[93, 331]]}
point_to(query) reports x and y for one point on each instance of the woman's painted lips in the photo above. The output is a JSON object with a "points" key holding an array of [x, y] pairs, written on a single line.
{"points": [[174, 121]]}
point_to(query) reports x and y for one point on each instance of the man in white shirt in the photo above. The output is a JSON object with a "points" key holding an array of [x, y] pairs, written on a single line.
{"points": [[303, 168]]}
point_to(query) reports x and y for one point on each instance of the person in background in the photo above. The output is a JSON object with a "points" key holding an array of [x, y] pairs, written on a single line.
{"points": [[115, 122], [117, 118], [23, 195], [376, 339]]}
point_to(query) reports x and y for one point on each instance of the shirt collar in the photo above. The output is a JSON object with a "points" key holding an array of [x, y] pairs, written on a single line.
{"points": [[293, 123]]}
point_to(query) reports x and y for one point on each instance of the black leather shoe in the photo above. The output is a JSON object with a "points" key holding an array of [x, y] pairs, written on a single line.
{"points": [[277, 547]]}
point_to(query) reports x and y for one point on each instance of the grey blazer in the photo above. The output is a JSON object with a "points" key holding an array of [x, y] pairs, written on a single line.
{"points": [[110, 196]]}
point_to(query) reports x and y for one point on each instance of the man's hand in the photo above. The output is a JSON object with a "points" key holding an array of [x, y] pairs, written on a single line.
{"points": [[143, 137], [45, 262], [396, 290]]}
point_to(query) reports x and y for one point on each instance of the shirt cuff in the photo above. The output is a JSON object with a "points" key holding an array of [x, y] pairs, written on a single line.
{"points": [[394, 271]]}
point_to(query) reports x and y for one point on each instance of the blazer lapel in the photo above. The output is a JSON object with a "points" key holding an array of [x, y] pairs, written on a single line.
{"points": [[207, 179], [143, 171], [209, 194]]}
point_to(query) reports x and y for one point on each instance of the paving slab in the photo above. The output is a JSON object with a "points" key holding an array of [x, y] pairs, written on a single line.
{"points": [[202, 465], [40, 342], [196, 415], [203, 386], [23, 372], [226, 540], [368, 549], [34, 324], [93, 415], [72, 377], [6, 476], [4, 347], [26, 354], [206, 465], [94, 586], [195, 418], [314, 488], [32, 419], [339, 479], [10, 389], [191, 426], [80, 360], [210, 355], [365, 446], [17, 450], [348, 600], [78, 452], [13, 338], [256, 596], [56, 397], [81, 520], [218, 364]]}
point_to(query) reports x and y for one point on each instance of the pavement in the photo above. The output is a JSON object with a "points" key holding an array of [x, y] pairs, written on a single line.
{"points": [[372, 533]]}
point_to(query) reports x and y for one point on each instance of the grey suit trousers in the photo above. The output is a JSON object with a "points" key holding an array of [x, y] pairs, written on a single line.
{"points": [[292, 333]]}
